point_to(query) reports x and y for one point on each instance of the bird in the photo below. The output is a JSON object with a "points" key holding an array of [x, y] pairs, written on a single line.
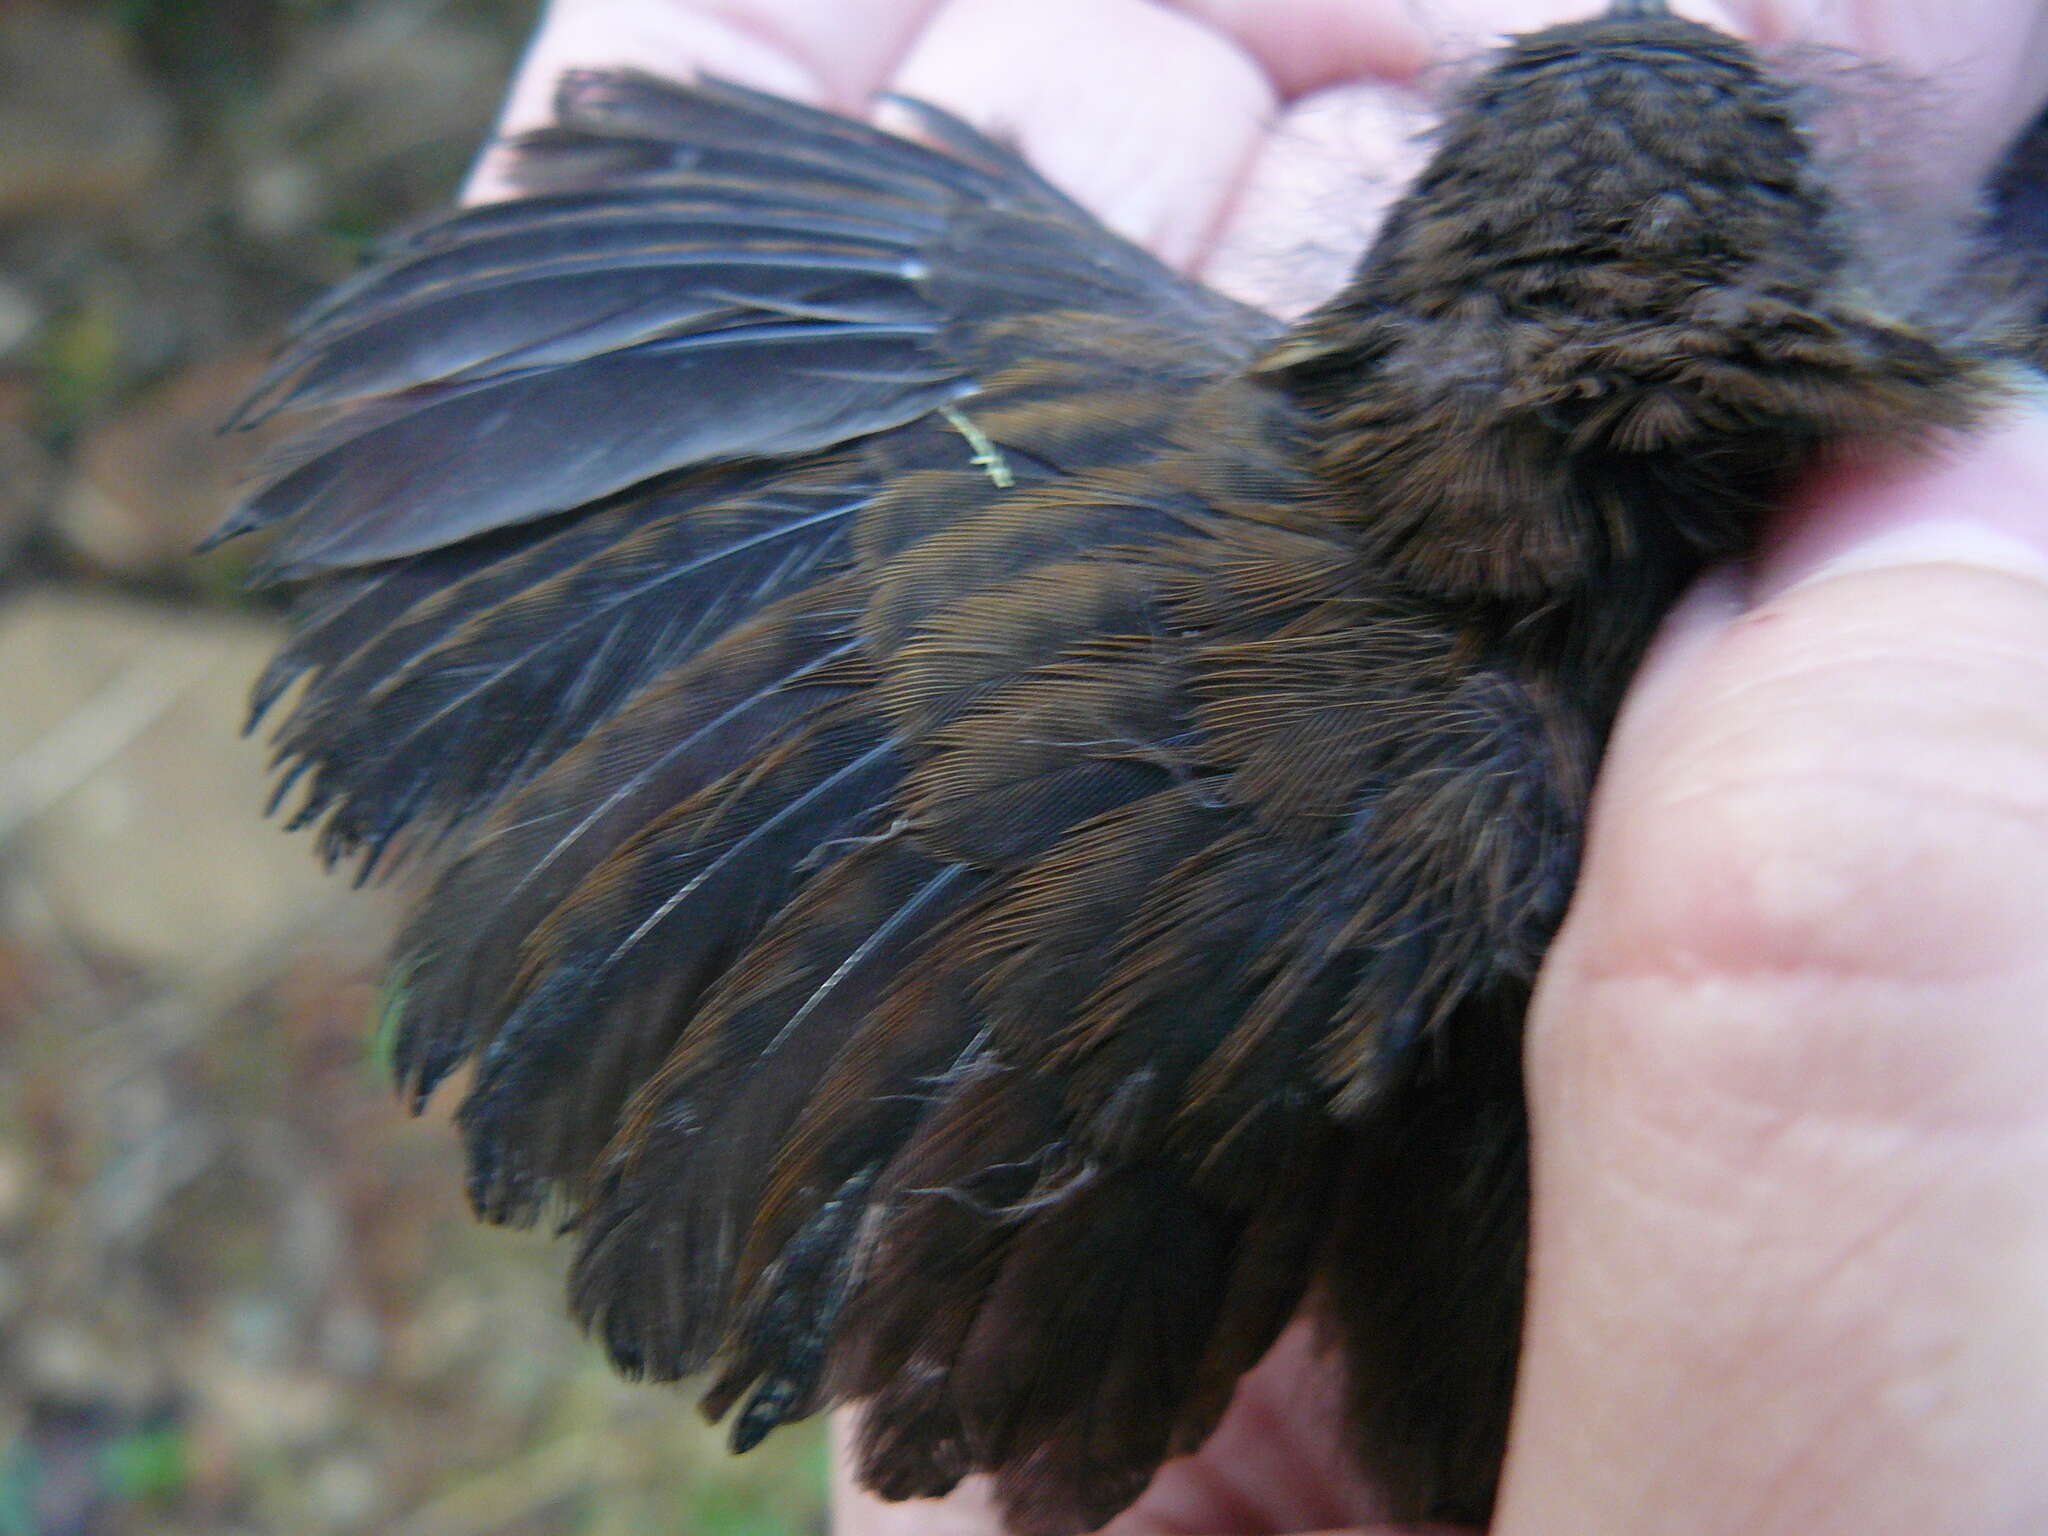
{"points": [[992, 811]]}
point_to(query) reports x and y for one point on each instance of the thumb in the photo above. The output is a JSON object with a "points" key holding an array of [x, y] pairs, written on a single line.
{"points": [[1789, 1062]]}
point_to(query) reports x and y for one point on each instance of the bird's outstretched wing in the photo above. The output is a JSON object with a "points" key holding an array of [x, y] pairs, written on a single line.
{"points": [[945, 841]]}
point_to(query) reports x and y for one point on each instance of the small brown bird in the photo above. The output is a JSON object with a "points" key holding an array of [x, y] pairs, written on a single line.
{"points": [[1000, 808]]}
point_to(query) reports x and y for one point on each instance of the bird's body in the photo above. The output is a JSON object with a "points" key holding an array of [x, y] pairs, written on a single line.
{"points": [[1003, 808]]}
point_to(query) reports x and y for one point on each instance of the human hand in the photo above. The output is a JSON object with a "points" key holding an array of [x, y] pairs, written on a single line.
{"points": [[1787, 1082], [1254, 142]]}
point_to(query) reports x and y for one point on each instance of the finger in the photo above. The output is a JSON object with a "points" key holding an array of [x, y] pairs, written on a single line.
{"points": [[1788, 1070], [1146, 116], [833, 55]]}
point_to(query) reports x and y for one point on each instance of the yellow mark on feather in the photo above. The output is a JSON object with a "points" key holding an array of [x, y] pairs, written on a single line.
{"points": [[986, 454]]}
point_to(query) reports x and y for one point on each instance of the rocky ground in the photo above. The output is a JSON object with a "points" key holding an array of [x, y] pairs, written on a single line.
{"points": [[239, 1292]]}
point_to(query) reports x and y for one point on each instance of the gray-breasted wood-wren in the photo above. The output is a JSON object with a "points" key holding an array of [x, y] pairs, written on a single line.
{"points": [[998, 809]]}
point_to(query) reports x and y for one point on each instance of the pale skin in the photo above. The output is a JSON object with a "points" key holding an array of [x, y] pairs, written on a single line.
{"points": [[1788, 1064]]}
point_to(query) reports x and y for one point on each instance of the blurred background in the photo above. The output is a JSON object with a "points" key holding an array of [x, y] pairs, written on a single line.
{"points": [[239, 1290]]}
